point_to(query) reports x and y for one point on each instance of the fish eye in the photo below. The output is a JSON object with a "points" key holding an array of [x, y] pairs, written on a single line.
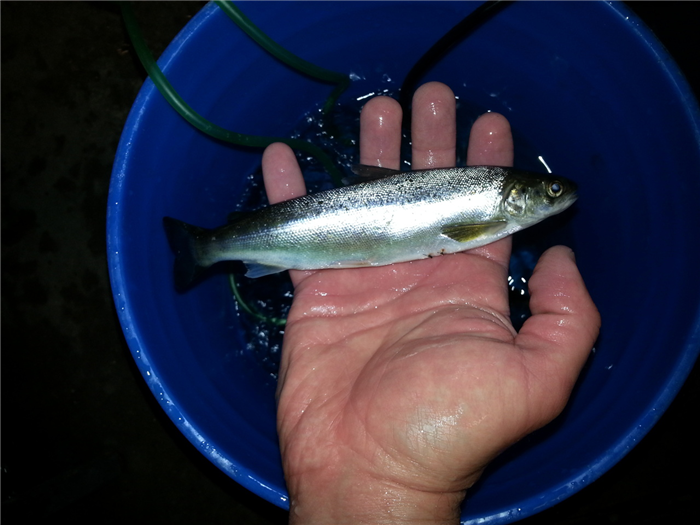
{"points": [[555, 189]]}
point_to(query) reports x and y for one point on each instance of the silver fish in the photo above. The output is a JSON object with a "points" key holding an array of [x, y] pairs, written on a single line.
{"points": [[395, 217]]}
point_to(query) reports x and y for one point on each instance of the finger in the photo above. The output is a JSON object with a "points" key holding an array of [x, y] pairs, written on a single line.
{"points": [[281, 173], [380, 133], [491, 144], [283, 181], [490, 141], [562, 329], [433, 127]]}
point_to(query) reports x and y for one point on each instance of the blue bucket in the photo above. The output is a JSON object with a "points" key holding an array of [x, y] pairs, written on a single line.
{"points": [[585, 85]]}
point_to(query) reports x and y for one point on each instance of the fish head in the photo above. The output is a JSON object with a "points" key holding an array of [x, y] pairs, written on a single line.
{"points": [[530, 198]]}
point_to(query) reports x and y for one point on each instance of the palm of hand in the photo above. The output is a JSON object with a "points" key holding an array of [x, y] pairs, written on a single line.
{"points": [[398, 370], [411, 375]]}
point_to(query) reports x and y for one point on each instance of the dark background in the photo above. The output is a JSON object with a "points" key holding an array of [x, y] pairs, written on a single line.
{"points": [[83, 439]]}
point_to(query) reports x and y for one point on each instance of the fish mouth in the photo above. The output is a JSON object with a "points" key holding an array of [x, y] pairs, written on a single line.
{"points": [[569, 199], [561, 204]]}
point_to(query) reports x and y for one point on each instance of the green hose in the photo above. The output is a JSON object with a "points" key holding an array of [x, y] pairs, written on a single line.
{"points": [[277, 321], [264, 41], [199, 122], [450, 39]]}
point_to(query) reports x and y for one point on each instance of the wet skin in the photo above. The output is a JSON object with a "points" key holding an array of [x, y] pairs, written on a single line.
{"points": [[399, 384]]}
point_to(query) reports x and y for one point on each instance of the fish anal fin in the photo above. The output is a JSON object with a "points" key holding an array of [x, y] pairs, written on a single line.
{"points": [[256, 270], [470, 232]]}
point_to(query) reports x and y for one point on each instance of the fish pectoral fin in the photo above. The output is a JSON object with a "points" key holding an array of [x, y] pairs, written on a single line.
{"points": [[256, 270], [472, 231], [367, 173]]}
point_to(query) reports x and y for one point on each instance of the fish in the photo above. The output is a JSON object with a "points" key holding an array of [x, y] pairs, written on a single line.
{"points": [[389, 217]]}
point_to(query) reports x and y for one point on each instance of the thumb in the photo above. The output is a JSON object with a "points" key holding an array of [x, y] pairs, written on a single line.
{"points": [[564, 325]]}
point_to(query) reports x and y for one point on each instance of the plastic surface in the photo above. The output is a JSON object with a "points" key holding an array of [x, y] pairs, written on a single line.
{"points": [[584, 84]]}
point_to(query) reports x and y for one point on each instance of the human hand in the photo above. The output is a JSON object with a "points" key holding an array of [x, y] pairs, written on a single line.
{"points": [[398, 384]]}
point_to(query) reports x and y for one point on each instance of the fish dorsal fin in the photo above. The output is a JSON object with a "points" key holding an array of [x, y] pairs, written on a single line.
{"points": [[235, 216], [470, 232], [367, 173]]}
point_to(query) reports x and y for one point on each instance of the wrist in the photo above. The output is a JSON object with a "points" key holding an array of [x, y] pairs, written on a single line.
{"points": [[332, 499]]}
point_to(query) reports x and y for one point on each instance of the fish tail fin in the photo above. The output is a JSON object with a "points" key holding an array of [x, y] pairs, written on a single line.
{"points": [[181, 237]]}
